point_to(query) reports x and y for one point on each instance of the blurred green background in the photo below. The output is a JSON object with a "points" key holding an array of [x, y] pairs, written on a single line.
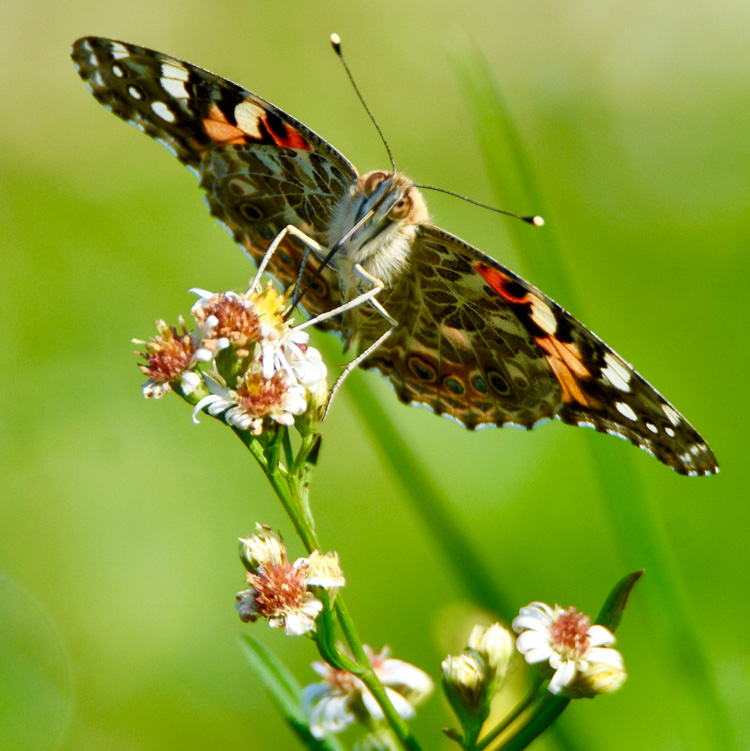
{"points": [[119, 518]]}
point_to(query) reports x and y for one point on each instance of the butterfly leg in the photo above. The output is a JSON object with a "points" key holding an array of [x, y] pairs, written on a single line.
{"points": [[364, 297], [354, 363], [290, 229]]}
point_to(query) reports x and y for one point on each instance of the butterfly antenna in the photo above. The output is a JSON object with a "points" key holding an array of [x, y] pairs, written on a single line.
{"points": [[537, 221], [336, 44]]}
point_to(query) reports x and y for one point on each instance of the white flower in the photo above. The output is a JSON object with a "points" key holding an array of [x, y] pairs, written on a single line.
{"points": [[279, 590], [342, 698], [263, 548], [254, 399], [324, 570], [566, 639]]}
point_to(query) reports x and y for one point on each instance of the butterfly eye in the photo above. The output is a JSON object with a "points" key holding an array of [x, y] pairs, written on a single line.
{"points": [[372, 181], [402, 208]]}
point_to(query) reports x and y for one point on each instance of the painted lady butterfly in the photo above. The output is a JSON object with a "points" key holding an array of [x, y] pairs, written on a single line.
{"points": [[473, 340]]}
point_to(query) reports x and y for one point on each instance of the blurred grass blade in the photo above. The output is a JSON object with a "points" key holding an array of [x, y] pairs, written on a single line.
{"points": [[642, 540], [284, 690]]}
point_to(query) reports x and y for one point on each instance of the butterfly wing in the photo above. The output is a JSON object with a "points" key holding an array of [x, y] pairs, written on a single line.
{"points": [[478, 343], [261, 168]]}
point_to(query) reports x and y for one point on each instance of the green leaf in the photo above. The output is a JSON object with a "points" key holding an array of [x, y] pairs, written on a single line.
{"points": [[284, 691], [611, 613]]}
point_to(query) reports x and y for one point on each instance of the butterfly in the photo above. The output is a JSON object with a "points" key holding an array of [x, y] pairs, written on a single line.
{"points": [[472, 340]]}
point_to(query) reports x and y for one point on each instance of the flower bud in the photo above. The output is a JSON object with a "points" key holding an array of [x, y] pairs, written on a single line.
{"points": [[496, 645]]}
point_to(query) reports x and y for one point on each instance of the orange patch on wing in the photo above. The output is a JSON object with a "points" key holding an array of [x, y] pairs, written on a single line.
{"points": [[500, 283], [293, 139], [218, 128], [565, 361]]}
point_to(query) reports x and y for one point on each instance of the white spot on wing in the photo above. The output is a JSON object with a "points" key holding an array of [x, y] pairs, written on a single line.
{"points": [[672, 414], [174, 87], [626, 411], [118, 51], [161, 110], [134, 92], [616, 372], [247, 115], [118, 71], [652, 427], [669, 432], [175, 71], [543, 316]]}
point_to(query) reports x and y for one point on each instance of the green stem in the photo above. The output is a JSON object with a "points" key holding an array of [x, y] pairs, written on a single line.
{"points": [[507, 721], [292, 490]]}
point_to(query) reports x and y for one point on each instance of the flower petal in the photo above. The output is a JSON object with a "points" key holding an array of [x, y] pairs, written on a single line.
{"points": [[563, 676], [601, 636]]}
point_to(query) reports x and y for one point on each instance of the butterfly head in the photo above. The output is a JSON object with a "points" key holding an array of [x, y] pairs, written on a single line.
{"points": [[375, 223]]}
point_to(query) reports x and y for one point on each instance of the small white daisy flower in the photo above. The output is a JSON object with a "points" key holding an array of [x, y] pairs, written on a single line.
{"points": [[254, 399], [279, 590], [565, 638], [341, 698]]}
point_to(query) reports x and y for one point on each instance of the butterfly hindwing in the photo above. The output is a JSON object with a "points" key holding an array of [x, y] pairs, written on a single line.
{"points": [[484, 345]]}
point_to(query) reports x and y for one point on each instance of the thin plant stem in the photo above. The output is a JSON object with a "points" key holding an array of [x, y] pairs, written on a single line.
{"points": [[508, 721]]}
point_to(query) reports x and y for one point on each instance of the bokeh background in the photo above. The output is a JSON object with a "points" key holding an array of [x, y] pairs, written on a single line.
{"points": [[119, 518]]}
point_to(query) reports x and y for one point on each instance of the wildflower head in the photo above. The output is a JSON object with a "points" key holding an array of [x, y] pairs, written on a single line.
{"points": [[264, 548], [226, 320], [244, 362], [566, 639], [341, 698], [170, 357], [278, 590]]}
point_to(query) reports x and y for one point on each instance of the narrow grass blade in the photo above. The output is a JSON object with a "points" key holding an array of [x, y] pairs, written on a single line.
{"points": [[642, 540], [284, 691]]}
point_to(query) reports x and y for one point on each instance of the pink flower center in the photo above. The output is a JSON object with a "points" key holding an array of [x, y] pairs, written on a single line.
{"points": [[237, 322], [261, 396], [569, 633], [279, 588], [168, 355]]}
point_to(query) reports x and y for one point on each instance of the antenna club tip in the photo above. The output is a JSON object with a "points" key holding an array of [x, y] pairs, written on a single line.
{"points": [[537, 221], [336, 42]]}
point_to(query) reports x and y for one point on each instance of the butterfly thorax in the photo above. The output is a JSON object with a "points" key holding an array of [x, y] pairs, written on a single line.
{"points": [[375, 225]]}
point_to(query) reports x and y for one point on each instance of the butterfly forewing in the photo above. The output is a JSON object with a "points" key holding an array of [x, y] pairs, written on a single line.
{"points": [[261, 168], [474, 341]]}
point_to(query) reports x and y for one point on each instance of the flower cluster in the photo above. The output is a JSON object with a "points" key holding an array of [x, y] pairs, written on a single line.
{"points": [[580, 654], [280, 591], [341, 698], [244, 361], [471, 679]]}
